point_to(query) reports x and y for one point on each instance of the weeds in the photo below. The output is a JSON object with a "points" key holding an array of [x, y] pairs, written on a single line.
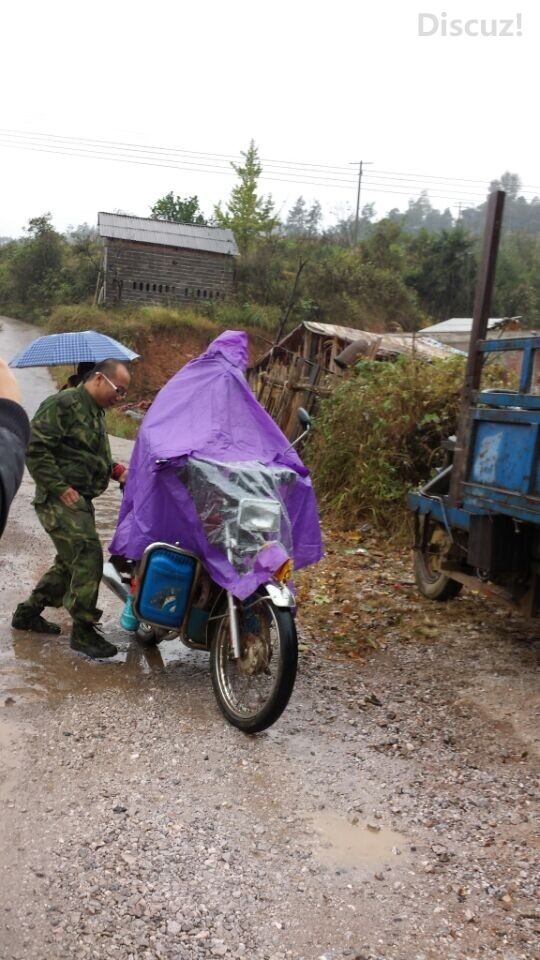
{"points": [[381, 433], [126, 322], [119, 424]]}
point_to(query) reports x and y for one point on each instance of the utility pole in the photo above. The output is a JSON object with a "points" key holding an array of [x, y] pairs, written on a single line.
{"points": [[360, 171]]}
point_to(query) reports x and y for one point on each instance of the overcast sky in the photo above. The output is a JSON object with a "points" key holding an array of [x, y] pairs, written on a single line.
{"points": [[318, 86]]}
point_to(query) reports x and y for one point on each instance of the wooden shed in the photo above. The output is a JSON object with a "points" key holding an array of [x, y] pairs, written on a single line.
{"points": [[157, 261], [308, 362]]}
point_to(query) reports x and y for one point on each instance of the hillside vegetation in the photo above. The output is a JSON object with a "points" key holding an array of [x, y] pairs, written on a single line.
{"points": [[380, 433]]}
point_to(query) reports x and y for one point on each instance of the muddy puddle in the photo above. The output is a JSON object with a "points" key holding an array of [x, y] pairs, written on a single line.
{"points": [[354, 844]]}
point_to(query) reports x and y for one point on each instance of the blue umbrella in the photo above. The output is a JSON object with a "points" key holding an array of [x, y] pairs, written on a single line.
{"points": [[63, 348]]}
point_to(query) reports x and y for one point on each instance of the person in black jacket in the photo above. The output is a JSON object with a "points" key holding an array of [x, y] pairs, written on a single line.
{"points": [[14, 437], [83, 369]]}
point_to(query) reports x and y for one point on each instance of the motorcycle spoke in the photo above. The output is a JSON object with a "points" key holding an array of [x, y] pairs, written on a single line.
{"points": [[250, 681]]}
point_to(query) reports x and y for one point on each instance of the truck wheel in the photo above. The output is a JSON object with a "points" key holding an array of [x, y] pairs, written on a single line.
{"points": [[427, 565]]}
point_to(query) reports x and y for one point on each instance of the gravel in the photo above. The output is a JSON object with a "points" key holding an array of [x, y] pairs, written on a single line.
{"points": [[139, 824]]}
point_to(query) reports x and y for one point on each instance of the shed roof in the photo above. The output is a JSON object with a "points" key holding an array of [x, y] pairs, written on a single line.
{"points": [[120, 226], [463, 325], [384, 344]]}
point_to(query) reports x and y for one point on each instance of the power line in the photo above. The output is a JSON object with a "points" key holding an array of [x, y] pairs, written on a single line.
{"points": [[392, 174], [125, 145], [305, 180], [69, 147], [314, 175]]}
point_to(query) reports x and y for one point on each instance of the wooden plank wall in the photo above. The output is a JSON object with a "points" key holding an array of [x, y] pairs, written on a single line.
{"points": [[292, 380], [144, 273]]}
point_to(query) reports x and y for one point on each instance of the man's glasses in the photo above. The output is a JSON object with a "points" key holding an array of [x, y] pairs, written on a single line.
{"points": [[121, 391]]}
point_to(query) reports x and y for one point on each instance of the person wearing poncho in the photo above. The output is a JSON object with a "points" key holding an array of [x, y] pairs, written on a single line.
{"points": [[207, 411]]}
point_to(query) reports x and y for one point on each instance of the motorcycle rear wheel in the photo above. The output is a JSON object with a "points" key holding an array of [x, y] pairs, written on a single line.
{"points": [[252, 692]]}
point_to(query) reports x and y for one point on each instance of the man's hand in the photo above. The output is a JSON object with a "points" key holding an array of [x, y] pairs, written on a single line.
{"points": [[69, 497], [119, 473], [9, 388]]}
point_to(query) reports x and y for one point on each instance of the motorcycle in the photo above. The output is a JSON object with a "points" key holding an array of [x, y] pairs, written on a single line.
{"points": [[250, 633]]}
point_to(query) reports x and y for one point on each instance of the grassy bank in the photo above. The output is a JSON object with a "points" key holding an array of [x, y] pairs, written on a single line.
{"points": [[127, 322], [166, 338]]}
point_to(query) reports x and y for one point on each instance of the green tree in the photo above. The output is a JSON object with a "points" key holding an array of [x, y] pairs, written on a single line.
{"points": [[345, 229], [178, 209], [509, 182], [36, 266], [82, 259], [295, 224], [442, 271], [247, 214], [303, 221], [517, 281], [344, 286], [421, 215]]}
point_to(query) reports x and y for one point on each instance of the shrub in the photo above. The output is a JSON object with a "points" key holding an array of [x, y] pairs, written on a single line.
{"points": [[380, 435]]}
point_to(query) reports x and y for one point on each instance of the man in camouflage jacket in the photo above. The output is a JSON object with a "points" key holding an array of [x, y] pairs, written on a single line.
{"points": [[70, 460]]}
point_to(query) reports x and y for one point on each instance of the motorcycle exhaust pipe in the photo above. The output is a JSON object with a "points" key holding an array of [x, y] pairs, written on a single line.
{"points": [[112, 579]]}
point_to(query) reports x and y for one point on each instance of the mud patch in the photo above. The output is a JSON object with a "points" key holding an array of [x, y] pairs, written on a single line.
{"points": [[349, 845]]}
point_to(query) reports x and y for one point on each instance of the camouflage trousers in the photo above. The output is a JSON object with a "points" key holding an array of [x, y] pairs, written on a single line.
{"points": [[74, 578]]}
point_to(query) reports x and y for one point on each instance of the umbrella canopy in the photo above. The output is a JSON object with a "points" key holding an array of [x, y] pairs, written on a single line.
{"points": [[62, 348]]}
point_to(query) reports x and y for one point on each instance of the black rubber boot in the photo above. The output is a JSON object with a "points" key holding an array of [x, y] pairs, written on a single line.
{"points": [[28, 618], [87, 638]]}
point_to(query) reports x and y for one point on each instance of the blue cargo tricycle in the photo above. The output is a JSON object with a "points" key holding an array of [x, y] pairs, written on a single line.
{"points": [[478, 521]]}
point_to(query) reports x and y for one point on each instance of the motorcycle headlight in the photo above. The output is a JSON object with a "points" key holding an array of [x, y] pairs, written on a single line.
{"points": [[259, 516]]}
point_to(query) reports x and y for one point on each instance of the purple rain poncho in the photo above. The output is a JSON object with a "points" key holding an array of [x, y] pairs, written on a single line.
{"points": [[204, 438]]}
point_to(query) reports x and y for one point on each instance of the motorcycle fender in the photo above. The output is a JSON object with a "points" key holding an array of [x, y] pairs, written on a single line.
{"points": [[280, 595]]}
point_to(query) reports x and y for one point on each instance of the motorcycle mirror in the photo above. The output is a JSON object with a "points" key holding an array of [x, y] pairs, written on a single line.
{"points": [[304, 418], [305, 422]]}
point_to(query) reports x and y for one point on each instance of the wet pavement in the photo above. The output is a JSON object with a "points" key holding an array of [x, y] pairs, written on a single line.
{"points": [[36, 382], [391, 813], [32, 667]]}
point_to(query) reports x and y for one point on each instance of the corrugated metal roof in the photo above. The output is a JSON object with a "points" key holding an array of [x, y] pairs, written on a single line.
{"points": [[332, 330], [120, 226], [462, 325], [424, 346], [387, 344]]}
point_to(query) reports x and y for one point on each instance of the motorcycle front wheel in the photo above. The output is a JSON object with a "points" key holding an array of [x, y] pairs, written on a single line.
{"points": [[254, 690]]}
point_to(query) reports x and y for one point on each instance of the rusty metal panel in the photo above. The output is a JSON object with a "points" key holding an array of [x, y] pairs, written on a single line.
{"points": [[482, 304]]}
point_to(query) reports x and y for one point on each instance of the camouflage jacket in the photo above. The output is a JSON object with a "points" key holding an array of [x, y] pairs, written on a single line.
{"points": [[69, 446]]}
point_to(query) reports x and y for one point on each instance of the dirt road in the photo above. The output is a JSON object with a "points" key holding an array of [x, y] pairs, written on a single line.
{"points": [[391, 814]]}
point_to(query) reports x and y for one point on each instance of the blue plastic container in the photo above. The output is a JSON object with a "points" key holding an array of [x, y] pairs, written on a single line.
{"points": [[165, 586]]}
